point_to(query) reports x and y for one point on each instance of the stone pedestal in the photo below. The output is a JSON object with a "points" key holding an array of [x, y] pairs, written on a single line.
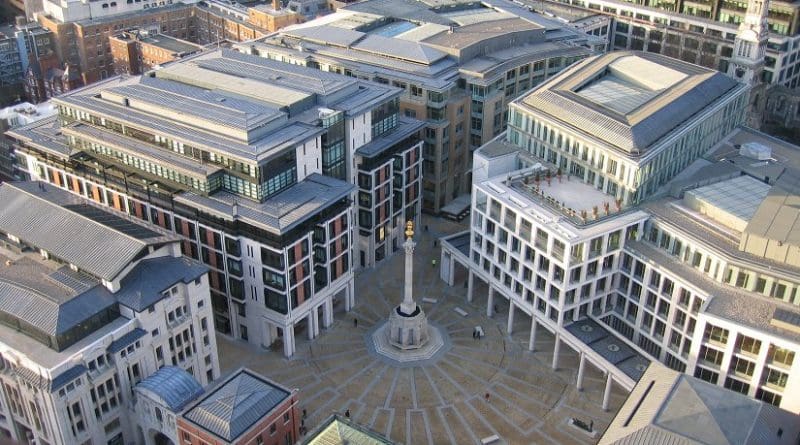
{"points": [[407, 330]]}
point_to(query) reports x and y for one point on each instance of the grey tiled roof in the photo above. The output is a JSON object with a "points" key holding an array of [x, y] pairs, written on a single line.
{"points": [[144, 285], [126, 340], [173, 386], [67, 376], [237, 404], [611, 348], [39, 217]]}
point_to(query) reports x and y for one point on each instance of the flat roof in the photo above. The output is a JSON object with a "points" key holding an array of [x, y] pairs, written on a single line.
{"points": [[45, 135], [739, 197], [608, 346], [406, 127], [281, 212], [628, 99], [171, 44]]}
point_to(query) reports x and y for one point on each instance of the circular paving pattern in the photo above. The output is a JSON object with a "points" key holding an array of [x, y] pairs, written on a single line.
{"points": [[443, 399]]}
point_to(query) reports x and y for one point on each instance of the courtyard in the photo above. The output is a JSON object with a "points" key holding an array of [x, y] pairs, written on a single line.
{"points": [[478, 388]]}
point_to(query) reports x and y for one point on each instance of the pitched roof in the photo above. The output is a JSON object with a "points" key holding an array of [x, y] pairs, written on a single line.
{"points": [[145, 284], [93, 239], [234, 406], [340, 431], [173, 386], [668, 407]]}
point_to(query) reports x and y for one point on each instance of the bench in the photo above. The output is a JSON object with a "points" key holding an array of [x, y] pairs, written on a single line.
{"points": [[491, 439], [430, 300], [460, 311]]}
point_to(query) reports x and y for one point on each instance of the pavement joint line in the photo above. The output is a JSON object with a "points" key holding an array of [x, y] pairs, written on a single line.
{"points": [[377, 378], [363, 369], [317, 409], [389, 423], [430, 382], [466, 424], [413, 384], [480, 417], [389, 395], [445, 423], [501, 415], [427, 425]]}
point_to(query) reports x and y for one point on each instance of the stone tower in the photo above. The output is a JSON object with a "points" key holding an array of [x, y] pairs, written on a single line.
{"points": [[747, 63]]}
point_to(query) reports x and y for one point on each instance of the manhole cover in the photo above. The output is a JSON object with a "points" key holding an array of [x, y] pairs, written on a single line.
{"points": [[613, 348], [587, 328], [642, 368]]}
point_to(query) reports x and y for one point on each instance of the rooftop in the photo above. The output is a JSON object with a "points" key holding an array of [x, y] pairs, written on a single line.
{"points": [[281, 212], [173, 386], [337, 430], [611, 348], [165, 42], [232, 407], [94, 239], [629, 100], [671, 407]]}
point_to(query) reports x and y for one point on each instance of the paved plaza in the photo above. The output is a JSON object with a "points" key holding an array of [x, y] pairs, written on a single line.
{"points": [[443, 400]]}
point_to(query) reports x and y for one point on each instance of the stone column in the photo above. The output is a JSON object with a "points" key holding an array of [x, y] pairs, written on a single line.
{"points": [[452, 270], [510, 326], [607, 392], [470, 285], [288, 341], [490, 302], [556, 349], [532, 339], [327, 313], [316, 322], [581, 368], [310, 324], [408, 306]]}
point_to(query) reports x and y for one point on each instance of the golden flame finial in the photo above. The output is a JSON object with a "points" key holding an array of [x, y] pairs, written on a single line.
{"points": [[409, 229]]}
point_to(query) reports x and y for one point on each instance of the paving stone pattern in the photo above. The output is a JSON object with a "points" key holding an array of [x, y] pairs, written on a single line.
{"points": [[443, 401]]}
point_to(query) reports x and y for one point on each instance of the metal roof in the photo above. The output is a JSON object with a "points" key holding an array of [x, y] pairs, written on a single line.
{"points": [[405, 128], [126, 340], [337, 430], [635, 125], [281, 212], [173, 386], [102, 243], [671, 408], [45, 135], [234, 406], [67, 376], [145, 284]]}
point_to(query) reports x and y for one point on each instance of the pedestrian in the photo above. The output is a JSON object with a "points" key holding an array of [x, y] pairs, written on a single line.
{"points": [[355, 322], [487, 396], [433, 262], [426, 227], [474, 334], [347, 413], [305, 413], [435, 243], [496, 310]]}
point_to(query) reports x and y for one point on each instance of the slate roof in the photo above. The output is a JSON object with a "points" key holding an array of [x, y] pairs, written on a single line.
{"points": [[66, 377], [101, 243], [173, 386], [651, 119], [235, 405], [671, 408], [126, 340], [145, 284]]}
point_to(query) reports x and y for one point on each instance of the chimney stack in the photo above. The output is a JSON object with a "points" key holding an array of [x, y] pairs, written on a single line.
{"points": [[276, 4]]}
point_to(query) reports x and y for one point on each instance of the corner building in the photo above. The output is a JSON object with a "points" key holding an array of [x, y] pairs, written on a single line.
{"points": [[458, 64], [253, 162], [92, 302], [691, 261]]}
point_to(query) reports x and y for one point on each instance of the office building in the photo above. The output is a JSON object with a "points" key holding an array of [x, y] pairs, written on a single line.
{"points": [[458, 64], [703, 33], [21, 45], [257, 165], [91, 303], [669, 407], [16, 116], [690, 261], [135, 51]]}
